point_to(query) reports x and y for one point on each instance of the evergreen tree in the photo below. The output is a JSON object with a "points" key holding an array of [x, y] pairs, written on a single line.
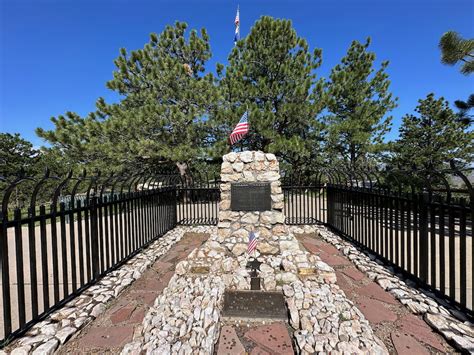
{"points": [[81, 140], [433, 137], [455, 49], [465, 107], [162, 116], [17, 156], [359, 100], [271, 73]]}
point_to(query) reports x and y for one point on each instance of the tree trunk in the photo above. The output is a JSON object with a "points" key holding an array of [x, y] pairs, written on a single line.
{"points": [[186, 180], [183, 169]]}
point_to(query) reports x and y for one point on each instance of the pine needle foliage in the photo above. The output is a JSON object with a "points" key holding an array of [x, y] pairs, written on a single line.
{"points": [[431, 138], [358, 103], [271, 73], [455, 49]]}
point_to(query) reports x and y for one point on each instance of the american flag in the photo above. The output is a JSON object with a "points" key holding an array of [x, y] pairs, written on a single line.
{"points": [[241, 129], [237, 26], [252, 242]]}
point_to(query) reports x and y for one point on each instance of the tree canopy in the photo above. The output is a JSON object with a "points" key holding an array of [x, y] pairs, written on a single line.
{"points": [[173, 111], [358, 102], [16, 155], [455, 49], [271, 73], [161, 118], [431, 138]]}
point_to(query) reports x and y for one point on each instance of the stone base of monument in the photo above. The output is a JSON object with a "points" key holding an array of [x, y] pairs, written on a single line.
{"points": [[254, 306]]}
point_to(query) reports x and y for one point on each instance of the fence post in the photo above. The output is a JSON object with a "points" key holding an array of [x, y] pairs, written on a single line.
{"points": [[174, 202], [94, 237], [330, 206], [7, 321], [423, 236]]}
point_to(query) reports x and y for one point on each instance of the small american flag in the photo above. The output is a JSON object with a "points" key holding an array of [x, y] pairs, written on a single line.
{"points": [[240, 130], [252, 242]]}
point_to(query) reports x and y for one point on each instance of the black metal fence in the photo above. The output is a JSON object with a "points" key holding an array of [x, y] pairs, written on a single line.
{"points": [[305, 203], [198, 202], [425, 237], [50, 252], [425, 229]]}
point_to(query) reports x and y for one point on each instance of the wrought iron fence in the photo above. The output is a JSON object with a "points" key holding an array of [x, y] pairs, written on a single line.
{"points": [[198, 202], [51, 250], [305, 203], [425, 234]]}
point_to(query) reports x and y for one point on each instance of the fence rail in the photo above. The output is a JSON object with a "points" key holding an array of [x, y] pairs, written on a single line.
{"points": [[50, 254]]}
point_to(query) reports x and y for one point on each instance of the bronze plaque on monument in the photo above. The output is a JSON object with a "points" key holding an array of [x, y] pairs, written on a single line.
{"points": [[250, 196]]}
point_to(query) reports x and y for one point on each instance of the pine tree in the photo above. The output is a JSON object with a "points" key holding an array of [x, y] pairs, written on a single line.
{"points": [[433, 137], [271, 73], [162, 117], [455, 49], [17, 156], [359, 100]]}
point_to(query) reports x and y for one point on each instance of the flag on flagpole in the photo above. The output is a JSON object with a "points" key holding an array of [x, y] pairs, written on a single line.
{"points": [[240, 130], [252, 242], [237, 27]]}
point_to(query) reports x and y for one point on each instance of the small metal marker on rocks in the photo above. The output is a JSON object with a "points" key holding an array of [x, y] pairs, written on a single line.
{"points": [[255, 280]]}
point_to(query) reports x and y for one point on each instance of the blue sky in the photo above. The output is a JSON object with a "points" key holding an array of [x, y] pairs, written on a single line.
{"points": [[56, 55]]}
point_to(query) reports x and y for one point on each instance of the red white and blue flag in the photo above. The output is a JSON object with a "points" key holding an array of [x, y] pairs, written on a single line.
{"points": [[252, 242], [240, 130], [237, 26]]}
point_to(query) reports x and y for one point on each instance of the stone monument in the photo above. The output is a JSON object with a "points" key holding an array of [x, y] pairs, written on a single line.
{"points": [[249, 179]]}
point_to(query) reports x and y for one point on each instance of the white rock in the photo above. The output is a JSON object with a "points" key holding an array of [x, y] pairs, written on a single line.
{"points": [[230, 157], [33, 340], [65, 333], [294, 316], [289, 245], [197, 313], [226, 168], [49, 329], [246, 156], [238, 167], [22, 350], [47, 348], [259, 156], [288, 277], [98, 310], [270, 157], [249, 218]]}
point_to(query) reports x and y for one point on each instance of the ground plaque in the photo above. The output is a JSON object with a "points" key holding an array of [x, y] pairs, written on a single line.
{"points": [[250, 196], [254, 304]]}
